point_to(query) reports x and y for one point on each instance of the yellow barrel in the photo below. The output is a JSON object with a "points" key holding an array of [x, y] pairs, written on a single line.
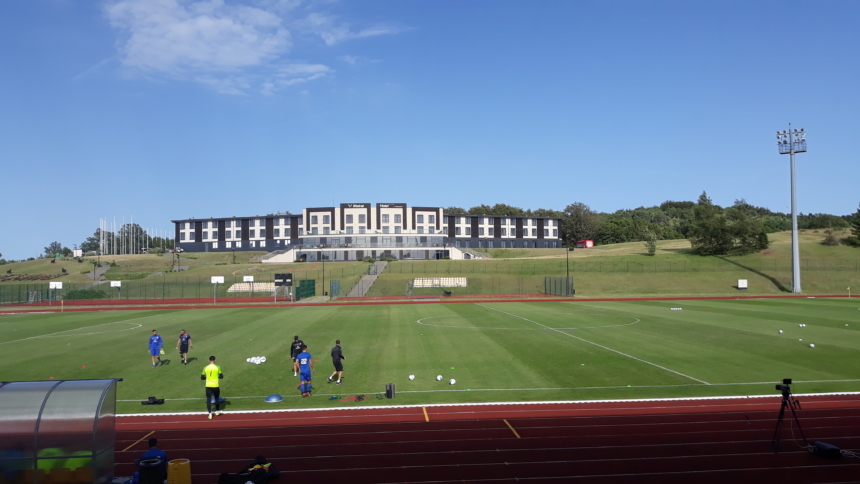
{"points": [[179, 471]]}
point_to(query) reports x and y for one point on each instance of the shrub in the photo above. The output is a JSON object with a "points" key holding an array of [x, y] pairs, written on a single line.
{"points": [[85, 294], [156, 251], [829, 238]]}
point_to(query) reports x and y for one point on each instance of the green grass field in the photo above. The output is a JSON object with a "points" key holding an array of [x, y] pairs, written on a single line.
{"points": [[495, 351]]}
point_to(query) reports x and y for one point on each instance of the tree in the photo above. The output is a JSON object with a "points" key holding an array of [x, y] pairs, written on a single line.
{"points": [[53, 248], [580, 223], [709, 233], [455, 210], [855, 230], [650, 241], [91, 244]]}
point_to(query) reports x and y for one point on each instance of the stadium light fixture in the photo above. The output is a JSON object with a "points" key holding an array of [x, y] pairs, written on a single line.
{"points": [[789, 143]]}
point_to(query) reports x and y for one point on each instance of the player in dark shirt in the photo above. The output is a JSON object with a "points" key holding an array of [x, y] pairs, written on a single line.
{"points": [[336, 356], [295, 349], [182, 345]]}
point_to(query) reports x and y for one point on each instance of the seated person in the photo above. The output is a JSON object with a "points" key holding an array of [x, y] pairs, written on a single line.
{"points": [[156, 453]]}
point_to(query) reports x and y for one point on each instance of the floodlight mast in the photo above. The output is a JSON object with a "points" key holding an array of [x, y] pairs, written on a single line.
{"points": [[791, 142]]}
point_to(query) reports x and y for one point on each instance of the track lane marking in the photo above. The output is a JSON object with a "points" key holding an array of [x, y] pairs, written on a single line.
{"points": [[138, 441], [595, 344], [426, 417], [511, 427]]}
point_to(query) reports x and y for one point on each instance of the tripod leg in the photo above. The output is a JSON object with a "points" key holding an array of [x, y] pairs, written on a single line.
{"points": [[793, 413], [775, 441]]}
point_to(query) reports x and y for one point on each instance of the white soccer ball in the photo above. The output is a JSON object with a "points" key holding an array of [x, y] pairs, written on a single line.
{"points": [[439, 378], [799, 325], [248, 360], [811, 345], [411, 377], [262, 359], [801, 339], [780, 331], [452, 381]]}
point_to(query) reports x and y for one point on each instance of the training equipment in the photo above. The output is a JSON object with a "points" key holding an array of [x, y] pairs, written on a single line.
{"points": [[801, 339], [389, 390], [411, 377], [811, 345], [274, 398], [780, 331], [439, 378], [452, 381], [262, 359]]}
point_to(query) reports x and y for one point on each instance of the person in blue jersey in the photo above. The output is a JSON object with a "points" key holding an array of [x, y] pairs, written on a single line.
{"points": [[156, 346], [155, 453], [182, 345], [306, 367]]}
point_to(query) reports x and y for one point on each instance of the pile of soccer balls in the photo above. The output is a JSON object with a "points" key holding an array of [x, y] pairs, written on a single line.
{"points": [[438, 378], [256, 359]]}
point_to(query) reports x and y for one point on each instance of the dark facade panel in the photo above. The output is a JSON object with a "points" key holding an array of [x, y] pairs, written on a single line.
{"points": [[474, 227], [519, 228], [246, 227], [270, 228], [198, 231], [221, 230], [294, 229], [497, 226], [540, 228]]}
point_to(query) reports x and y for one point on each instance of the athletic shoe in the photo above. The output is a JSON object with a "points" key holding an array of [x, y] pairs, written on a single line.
{"points": [[210, 416], [329, 380], [295, 374], [305, 394], [339, 382], [153, 365], [218, 413]]}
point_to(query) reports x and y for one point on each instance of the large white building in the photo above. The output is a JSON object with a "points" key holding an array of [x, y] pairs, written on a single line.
{"points": [[354, 231]]}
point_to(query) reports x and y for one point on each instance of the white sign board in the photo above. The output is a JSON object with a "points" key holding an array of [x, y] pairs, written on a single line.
{"points": [[55, 285], [247, 278], [742, 283], [115, 283], [217, 279]]}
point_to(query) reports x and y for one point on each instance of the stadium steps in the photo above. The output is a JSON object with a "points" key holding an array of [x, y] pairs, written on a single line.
{"points": [[366, 281], [702, 448]]}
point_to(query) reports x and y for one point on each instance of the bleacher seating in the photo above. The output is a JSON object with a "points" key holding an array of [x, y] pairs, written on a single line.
{"points": [[257, 287], [440, 282]]}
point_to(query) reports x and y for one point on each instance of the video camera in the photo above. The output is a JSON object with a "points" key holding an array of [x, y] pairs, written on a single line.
{"points": [[785, 388]]}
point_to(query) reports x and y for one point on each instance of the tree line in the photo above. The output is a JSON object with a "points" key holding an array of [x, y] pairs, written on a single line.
{"points": [[712, 229]]}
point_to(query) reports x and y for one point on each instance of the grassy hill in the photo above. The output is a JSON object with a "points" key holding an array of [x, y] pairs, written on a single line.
{"points": [[604, 271]]}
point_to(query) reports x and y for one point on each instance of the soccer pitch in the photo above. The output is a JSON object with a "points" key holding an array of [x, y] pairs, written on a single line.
{"points": [[496, 351]]}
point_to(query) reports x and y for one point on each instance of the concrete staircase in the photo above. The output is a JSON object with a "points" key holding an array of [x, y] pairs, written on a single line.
{"points": [[366, 282]]}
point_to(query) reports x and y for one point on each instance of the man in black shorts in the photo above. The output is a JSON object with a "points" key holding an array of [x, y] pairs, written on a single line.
{"points": [[336, 356], [182, 345], [295, 349]]}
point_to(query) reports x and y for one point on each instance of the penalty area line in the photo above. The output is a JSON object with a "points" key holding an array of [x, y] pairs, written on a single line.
{"points": [[596, 344]]}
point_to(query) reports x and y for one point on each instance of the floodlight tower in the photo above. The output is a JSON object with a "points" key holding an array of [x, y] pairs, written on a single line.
{"points": [[791, 142]]}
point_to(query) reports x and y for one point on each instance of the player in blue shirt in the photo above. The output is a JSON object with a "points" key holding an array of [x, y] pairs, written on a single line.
{"points": [[306, 367], [156, 345]]}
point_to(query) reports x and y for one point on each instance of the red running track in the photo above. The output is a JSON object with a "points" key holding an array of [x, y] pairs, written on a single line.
{"points": [[702, 441]]}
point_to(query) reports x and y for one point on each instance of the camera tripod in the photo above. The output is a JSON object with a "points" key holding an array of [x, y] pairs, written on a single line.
{"points": [[791, 404]]}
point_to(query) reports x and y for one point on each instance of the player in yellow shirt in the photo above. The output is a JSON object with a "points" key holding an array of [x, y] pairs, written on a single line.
{"points": [[211, 375]]}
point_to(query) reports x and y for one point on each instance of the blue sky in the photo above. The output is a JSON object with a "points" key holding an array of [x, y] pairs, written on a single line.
{"points": [[165, 109]]}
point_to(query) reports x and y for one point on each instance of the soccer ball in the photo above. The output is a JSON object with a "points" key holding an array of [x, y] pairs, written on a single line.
{"points": [[780, 331], [439, 378], [248, 360], [411, 377], [262, 359], [811, 345], [452, 381]]}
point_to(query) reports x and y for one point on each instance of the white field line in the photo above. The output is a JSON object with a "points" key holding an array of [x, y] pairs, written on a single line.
{"points": [[595, 344], [62, 333], [553, 402], [528, 390], [516, 329]]}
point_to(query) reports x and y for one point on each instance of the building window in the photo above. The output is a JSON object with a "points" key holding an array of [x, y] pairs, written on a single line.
{"points": [[534, 232], [431, 229], [397, 218], [301, 231], [445, 219], [325, 231], [384, 227], [504, 221], [314, 219], [227, 234], [262, 243], [362, 229], [534, 222], [480, 231], [277, 233], [287, 232], [238, 244], [313, 230], [458, 220], [491, 231], [468, 220], [555, 232], [362, 218], [228, 244], [205, 235], [326, 219], [277, 222], [349, 230], [397, 228], [456, 230], [182, 236], [420, 230], [481, 220], [555, 223], [228, 223], [504, 232], [385, 218], [349, 219], [252, 233], [468, 230], [431, 219], [420, 219], [262, 233], [546, 232]]}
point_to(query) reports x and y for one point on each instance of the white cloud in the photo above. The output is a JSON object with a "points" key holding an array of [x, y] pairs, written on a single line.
{"points": [[229, 47]]}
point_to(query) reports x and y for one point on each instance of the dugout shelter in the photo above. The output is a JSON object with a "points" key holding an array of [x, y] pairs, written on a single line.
{"points": [[57, 432]]}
